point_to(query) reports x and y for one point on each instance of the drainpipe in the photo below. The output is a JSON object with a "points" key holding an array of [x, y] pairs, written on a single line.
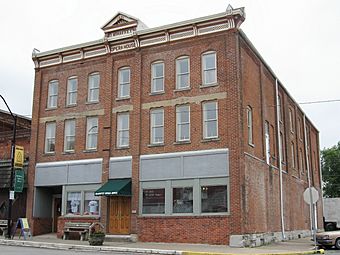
{"points": [[311, 205], [280, 157]]}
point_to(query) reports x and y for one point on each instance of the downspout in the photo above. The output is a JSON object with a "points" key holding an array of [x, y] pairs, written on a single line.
{"points": [[280, 157], [311, 205]]}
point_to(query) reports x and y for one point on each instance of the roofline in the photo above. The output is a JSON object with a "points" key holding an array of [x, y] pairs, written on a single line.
{"points": [[18, 115], [251, 45], [120, 13], [237, 11]]}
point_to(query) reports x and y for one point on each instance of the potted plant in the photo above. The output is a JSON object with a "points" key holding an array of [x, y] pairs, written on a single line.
{"points": [[97, 234]]}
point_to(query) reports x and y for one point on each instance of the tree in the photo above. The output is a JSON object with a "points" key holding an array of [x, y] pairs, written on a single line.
{"points": [[330, 165]]}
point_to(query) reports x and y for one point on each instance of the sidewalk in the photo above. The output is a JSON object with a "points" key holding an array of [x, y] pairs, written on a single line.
{"points": [[299, 246]]}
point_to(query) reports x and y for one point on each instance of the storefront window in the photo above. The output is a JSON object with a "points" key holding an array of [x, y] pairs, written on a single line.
{"points": [[182, 200], [214, 199], [91, 204], [154, 201], [73, 203]]}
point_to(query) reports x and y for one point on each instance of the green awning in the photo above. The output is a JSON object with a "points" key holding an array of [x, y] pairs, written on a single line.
{"points": [[117, 187]]}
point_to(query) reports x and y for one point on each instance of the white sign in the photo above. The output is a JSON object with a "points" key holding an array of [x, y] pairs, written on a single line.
{"points": [[11, 195], [307, 195]]}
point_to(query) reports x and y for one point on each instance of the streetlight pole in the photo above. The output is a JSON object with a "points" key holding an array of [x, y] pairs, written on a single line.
{"points": [[10, 188]]}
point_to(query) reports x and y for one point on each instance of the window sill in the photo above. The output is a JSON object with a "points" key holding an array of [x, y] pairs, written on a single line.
{"points": [[156, 145], [68, 152], [49, 153], [157, 93], [182, 142], [92, 102], [90, 150], [213, 139], [122, 148], [202, 86], [51, 108], [123, 98], [182, 89], [81, 216], [71, 105]]}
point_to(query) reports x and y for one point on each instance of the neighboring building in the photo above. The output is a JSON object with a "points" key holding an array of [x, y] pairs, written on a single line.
{"points": [[169, 133], [23, 135]]}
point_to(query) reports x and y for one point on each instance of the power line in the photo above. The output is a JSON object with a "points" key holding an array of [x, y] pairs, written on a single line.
{"points": [[321, 102]]}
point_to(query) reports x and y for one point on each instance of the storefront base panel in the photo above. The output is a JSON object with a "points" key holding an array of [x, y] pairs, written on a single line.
{"points": [[40, 226], [62, 220], [207, 229]]}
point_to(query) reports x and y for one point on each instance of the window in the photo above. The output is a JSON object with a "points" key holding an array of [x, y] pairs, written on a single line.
{"points": [[91, 133], [182, 200], [72, 87], [209, 68], [50, 137], [82, 203], [93, 88], [183, 122], [123, 129], [91, 203], [300, 128], [293, 154], [124, 82], [291, 120], [70, 135], [267, 141], [301, 161], [157, 126], [73, 203], [214, 199], [154, 201], [281, 148], [210, 125], [279, 104], [52, 100], [250, 125], [157, 74], [182, 73]]}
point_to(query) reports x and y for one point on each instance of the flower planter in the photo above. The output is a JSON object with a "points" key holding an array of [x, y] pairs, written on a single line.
{"points": [[96, 238]]}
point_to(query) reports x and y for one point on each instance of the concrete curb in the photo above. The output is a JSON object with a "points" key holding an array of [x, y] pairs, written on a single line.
{"points": [[77, 247], [321, 251]]}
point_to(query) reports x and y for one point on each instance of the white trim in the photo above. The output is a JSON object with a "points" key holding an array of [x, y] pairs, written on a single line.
{"points": [[118, 159], [184, 153], [70, 162]]}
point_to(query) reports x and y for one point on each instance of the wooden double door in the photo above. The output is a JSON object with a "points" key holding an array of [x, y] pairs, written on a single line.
{"points": [[120, 215]]}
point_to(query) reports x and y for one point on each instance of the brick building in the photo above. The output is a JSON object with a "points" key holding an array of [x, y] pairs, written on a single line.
{"points": [[23, 135], [172, 134]]}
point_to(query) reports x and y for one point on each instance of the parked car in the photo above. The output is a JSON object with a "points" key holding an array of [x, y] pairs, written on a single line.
{"points": [[328, 239]]}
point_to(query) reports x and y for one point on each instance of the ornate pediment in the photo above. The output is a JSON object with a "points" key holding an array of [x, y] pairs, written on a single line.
{"points": [[122, 24]]}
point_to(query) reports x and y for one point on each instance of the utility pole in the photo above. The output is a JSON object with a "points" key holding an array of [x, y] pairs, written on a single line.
{"points": [[10, 188]]}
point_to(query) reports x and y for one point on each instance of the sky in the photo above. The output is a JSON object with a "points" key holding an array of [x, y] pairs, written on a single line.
{"points": [[300, 40]]}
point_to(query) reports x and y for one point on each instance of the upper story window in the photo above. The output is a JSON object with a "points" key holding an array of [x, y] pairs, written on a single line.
{"points": [[157, 126], [93, 87], [183, 122], [52, 101], [157, 77], [209, 68], [250, 125], [300, 128], [267, 141], [279, 105], [72, 87], [92, 133], [210, 120], [182, 73], [123, 129], [124, 82], [70, 135], [50, 137], [291, 120], [292, 148]]}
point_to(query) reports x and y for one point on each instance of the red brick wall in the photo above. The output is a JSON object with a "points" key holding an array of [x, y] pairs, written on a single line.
{"points": [[40, 226], [207, 229]]}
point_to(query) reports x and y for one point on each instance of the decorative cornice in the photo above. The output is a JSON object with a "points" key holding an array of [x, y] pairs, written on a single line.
{"points": [[230, 19]]}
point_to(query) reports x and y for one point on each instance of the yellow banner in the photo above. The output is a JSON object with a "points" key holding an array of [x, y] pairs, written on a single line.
{"points": [[25, 223], [19, 157]]}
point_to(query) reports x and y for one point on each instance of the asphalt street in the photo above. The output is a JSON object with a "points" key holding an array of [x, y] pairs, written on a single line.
{"points": [[15, 250]]}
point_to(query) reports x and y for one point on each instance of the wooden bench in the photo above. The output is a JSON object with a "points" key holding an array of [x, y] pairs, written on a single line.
{"points": [[3, 227], [82, 228]]}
